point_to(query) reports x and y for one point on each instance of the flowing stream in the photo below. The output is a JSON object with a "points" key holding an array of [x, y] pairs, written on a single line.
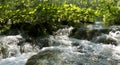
{"points": [[92, 45]]}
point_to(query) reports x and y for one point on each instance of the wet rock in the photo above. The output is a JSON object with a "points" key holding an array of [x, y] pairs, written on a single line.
{"points": [[115, 28], [41, 42], [85, 33], [68, 55], [98, 34], [51, 41], [104, 39], [3, 50], [111, 38], [51, 56]]}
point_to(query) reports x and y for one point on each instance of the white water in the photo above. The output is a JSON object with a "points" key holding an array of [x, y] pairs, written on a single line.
{"points": [[10, 50], [19, 60], [109, 54], [75, 52]]}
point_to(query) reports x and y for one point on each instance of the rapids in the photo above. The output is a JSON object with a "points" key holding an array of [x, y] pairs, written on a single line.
{"points": [[70, 47]]}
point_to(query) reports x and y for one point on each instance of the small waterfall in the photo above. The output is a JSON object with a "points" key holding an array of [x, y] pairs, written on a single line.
{"points": [[111, 37], [65, 31], [14, 50], [19, 60], [78, 52], [94, 45], [65, 50]]}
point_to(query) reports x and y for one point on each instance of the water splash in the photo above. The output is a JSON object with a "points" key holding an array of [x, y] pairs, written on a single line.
{"points": [[70, 51], [15, 51], [13, 46], [115, 36], [62, 50], [19, 60], [64, 31], [84, 53]]}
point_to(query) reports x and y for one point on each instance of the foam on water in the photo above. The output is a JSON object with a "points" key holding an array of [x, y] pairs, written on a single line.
{"points": [[19, 60], [86, 52], [74, 50], [115, 36], [13, 52]]}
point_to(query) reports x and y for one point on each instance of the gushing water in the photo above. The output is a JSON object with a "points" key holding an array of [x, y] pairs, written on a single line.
{"points": [[62, 50], [19, 60], [14, 51]]}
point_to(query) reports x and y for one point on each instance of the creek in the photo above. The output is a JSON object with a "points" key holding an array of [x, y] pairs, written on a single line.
{"points": [[88, 45]]}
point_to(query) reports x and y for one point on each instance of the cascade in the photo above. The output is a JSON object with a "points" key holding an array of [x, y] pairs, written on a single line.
{"points": [[66, 47], [14, 50]]}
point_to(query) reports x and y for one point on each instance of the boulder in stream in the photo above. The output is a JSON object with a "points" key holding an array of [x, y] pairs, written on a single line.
{"points": [[68, 55]]}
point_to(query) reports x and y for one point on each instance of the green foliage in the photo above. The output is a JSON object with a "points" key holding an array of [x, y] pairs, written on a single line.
{"points": [[50, 12], [45, 16], [109, 11]]}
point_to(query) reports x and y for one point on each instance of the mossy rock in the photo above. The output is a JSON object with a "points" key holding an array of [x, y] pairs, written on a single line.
{"points": [[67, 55], [45, 58]]}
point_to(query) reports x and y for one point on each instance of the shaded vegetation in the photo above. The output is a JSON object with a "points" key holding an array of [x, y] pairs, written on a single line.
{"points": [[41, 17]]}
